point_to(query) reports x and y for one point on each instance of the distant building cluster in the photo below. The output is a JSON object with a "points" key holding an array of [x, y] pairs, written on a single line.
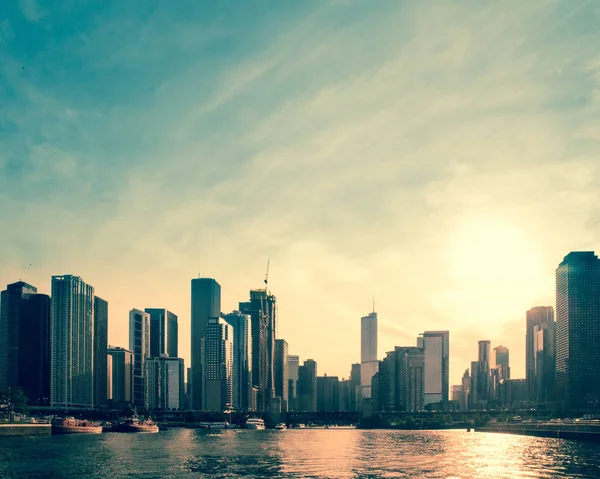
{"points": [[55, 348]]}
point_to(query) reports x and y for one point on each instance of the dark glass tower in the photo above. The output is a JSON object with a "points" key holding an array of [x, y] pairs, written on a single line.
{"points": [[100, 351], [163, 332], [535, 317], [206, 304], [578, 331]]}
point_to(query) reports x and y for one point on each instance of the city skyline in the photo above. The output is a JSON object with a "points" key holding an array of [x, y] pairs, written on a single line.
{"points": [[410, 151]]}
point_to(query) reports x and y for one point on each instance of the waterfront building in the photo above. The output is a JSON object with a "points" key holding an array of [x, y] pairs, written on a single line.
{"points": [[188, 389], [163, 333], [307, 386], [281, 372], [34, 350], [206, 303], [437, 362], [328, 394], [355, 385], [293, 364], [499, 369], [344, 388], [109, 377], [458, 396], [242, 359], [100, 351], [262, 309], [480, 377], [368, 353], [578, 331], [466, 388], [473, 398], [14, 302], [513, 392], [121, 375], [545, 361], [218, 365], [139, 344], [71, 342], [534, 317], [165, 383]]}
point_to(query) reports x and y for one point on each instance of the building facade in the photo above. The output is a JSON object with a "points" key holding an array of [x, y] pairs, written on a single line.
{"points": [[328, 394], [206, 303], [544, 345], [100, 351], [242, 359], [218, 366], [163, 333], [368, 353], [437, 363], [534, 317], [165, 387], [293, 365], [71, 342], [281, 372], [578, 331], [122, 375], [139, 344], [307, 386]]}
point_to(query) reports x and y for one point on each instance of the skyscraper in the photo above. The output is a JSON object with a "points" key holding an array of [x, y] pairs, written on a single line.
{"points": [[307, 386], [466, 387], [122, 375], [165, 389], [368, 352], [482, 380], [262, 310], [163, 332], [13, 306], [242, 359], [437, 354], [34, 350], [293, 365], [328, 394], [100, 354], [535, 316], [281, 372], [218, 365], [499, 369], [139, 344], [401, 380], [578, 331], [206, 303], [71, 342], [544, 345], [355, 385]]}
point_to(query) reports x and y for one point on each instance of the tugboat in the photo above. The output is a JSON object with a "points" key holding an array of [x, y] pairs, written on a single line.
{"points": [[71, 425], [135, 424]]}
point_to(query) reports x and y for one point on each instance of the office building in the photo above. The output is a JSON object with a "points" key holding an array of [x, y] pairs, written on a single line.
{"points": [[458, 396], [534, 317], [402, 380], [281, 372], [578, 331], [121, 375], [71, 342], [437, 354], [109, 377], [34, 350], [165, 388], [307, 386], [14, 301], [466, 388], [139, 344], [206, 303], [242, 359], [328, 394], [480, 377], [262, 309], [218, 365], [163, 333], [355, 387], [499, 369], [513, 392], [368, 353], [544, 345], [293, 365], [100, 351]]}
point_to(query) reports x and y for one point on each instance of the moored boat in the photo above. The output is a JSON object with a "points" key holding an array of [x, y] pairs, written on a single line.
{"points": [[135, 424], [281, 427], [255, 423], [70, 425]]}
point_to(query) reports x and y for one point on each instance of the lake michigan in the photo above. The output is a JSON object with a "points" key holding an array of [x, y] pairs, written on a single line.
{"points": [[309, 453]]}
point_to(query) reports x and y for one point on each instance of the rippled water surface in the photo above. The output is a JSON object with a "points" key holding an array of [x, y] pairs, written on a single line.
{"points": [[188, 453]]}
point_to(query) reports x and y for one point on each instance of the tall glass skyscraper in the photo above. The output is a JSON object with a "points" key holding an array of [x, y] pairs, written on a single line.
{"points": [[281, 372], [218, 365], [437, 354], [206, 304], [165, 388], [578, 331], [139, 345], [163, 332], [100, 353], [71, 342], [242, 359], [535, 316], [369, 363]]}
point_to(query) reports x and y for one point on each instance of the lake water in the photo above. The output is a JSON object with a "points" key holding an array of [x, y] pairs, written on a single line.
{"points": [[316, 453]]}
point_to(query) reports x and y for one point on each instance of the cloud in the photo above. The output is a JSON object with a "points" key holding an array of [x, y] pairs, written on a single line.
{"points": [[31, 10]]}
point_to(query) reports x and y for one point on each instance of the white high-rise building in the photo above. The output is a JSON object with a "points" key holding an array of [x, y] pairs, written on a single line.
{"points": [[369, 364], [164, 383], [71, 342]]}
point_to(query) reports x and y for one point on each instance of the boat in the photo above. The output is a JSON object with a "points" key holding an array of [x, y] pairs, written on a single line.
{"points": [[70, 425], [135, 424], [213, 425], [281, 427], [301, 426], [255, 423]]}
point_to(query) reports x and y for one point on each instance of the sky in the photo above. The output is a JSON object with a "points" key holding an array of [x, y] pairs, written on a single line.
{"points": [[441, 157]]}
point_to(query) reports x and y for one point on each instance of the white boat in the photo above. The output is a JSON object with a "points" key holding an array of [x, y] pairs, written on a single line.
{"points": [[213, 425], [280, 427], [255, 423]]}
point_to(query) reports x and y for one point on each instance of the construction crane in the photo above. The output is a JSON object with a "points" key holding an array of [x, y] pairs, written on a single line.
{"points": [[267, 277]]}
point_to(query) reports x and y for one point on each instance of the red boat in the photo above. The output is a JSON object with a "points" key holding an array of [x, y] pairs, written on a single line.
{"points": [[71, 425], [135, 424]]}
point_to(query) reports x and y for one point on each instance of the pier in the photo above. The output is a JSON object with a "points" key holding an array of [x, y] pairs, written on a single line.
{"points": [[17, 429], [581, 430]]}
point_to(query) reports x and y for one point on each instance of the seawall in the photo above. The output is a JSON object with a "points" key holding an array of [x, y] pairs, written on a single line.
{"points": [[560, 431], [25, 429]]}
